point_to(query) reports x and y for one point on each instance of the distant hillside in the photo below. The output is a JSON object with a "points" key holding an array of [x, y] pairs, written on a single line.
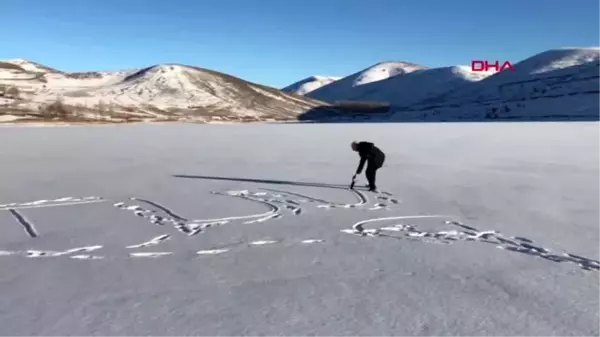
{"points": [[309, 84], [559, 84], [10, 66], [159, 92], [345, 88], [31, 66]]}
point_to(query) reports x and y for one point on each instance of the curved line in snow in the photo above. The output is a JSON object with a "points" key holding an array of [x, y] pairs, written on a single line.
{"points": [[274, 209], [162, 208], [359, 225], [362, 199], [296, 194], [154, 241], [53, 205]]}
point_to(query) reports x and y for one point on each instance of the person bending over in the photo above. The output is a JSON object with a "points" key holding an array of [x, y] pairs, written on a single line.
{"points": [[374, 158]]}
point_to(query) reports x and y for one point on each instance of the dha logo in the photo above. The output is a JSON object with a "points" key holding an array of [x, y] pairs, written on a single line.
{"points": [[484, 65]]}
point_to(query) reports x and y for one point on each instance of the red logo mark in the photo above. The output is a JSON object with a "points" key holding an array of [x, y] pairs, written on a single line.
{"points": [[484, 65]]}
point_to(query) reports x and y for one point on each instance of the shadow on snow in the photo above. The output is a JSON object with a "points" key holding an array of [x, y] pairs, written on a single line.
{"points": [[265, 181]]}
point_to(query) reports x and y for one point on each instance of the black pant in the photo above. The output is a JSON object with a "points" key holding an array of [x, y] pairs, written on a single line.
{"points": [[371, 172]]}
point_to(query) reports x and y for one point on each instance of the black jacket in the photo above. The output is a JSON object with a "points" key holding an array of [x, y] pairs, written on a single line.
{"points": [[369, 152]]}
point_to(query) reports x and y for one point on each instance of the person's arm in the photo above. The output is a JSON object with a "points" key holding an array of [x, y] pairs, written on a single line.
{"points": [[364, 150], [361, 164]]}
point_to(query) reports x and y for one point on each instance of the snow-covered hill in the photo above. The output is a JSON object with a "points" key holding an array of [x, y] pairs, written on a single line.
{"points": [[344, 88], [31, 66], [171, 91], [555, 84], [309, 84], [10, 71], [560, 83], [415, 86]]}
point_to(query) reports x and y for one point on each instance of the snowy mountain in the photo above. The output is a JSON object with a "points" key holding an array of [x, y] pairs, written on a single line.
{"points": [[309, 84], [559, 83], [165, 91], [344, 88], [415, 86], [31, 66]]}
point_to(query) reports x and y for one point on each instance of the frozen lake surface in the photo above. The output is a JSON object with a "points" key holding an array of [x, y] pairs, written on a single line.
{"points": [[170, 229]]}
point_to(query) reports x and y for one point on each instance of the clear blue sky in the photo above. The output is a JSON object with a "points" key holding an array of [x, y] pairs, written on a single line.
{"points": [[276, 42]]}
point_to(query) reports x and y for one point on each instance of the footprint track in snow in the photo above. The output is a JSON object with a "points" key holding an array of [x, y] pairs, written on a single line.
{"points": [[378, 206], [389, 199]]}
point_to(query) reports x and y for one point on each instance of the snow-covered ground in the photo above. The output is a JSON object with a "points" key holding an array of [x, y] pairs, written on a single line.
{"points": [[164, 229]]}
